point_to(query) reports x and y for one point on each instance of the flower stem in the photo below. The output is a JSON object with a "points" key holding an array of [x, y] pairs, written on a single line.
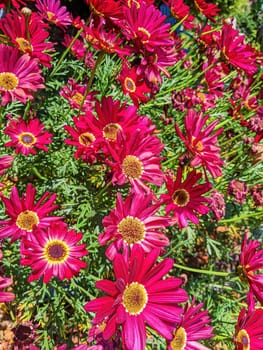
{"points": [[206, 272]]}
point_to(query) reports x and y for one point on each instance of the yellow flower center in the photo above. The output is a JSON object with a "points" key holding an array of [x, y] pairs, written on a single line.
{"points": [[131, 229], [56, 251], [179, 339], [134, 298], [129, 84], [132, 167], [50, 15], [27, 139], [77, 98], [198, 145], [27, 219], [243, 339], [8, 81], [110, 131], [181, 197], [147, 35], [24, 45], [137, 4], [86, 139], [244, 275]]}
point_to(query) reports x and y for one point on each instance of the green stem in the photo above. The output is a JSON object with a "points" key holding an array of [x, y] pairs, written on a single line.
{"points": [[242, 217], [206, 272], [103, 190], [35, 171], [177, 25], [92, 76], [56, 67]]}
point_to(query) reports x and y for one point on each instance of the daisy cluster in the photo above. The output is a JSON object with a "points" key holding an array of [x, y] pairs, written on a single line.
{"points": [[156, 135]]}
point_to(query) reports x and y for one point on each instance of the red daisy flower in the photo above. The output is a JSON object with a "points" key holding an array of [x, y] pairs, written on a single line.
{"points": [[251, 261], [192, 328], [133, 222], [52, 11], [35, 45], [106, 8], [146, 27], [184, 198], [25, 214], [207, 9], [136, 160], [181, 11], [53, 252], [139, 295], [234, 51], [74, 93], [78, 49], [5, 163], [133, 84], [201, 145], [19, 75], [16, 3], [249, 330], [84, 138], [27, 136], [6, 296]]}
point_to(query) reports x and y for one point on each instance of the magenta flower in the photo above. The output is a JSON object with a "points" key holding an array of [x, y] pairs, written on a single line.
{"points": [[201, 145], [249, 330], [26, 137], [25, 214], [239, 190], [251, 261], [185, 198], [133, 222], [139, 295], [19, 75], [53, 12], [53, 251], [6, 296], [5, 163], [192, 328]]}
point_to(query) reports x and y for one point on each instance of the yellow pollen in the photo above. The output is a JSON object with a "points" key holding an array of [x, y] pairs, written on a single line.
{"points": [[24, 45], [146, 33], [131, 229], [27, 139], [110, 131], [77, 98], [181, 197], [243, 339], [56, 251], [132, 167], [137, 4], [8, 81], [198, 145], [50, 15], [179, 339], [96, 11], [134, 298], [129, 84], [26, 220], [86, 139], [244, 275]]}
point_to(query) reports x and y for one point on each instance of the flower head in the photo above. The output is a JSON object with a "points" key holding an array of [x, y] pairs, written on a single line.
{"points": [[25, 137], [207, 9], [53, 12], [19, 75], [5, 163], [251, 261], [185, 198], [249, 330], [200, 143], [239, 190], [24, 214], [133, 222], [139, 295], [6, 296], [53, 251], [192, 328]]}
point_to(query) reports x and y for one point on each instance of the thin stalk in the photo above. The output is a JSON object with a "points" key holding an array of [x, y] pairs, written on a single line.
{"points": [[206, 272]]}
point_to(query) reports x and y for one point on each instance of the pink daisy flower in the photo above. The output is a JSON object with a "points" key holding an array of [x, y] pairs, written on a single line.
{"points": [[251, 261], [209, 10], [139, 295], [192, 328], [6, 296], [5, 163], [25, 137], [180, 11], [136, 160], [15, 27], [54, 13], [235, 51], [25, 214], [53, 251], [133, 222], [106, 8], [185, 198], [201, 145], [19, 75], [249, 330]]}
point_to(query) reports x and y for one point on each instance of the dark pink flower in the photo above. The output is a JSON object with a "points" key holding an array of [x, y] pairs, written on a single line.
{"points": [[5, 163], [239, 190], [139, 296], [6, 296], [54, 13]]}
